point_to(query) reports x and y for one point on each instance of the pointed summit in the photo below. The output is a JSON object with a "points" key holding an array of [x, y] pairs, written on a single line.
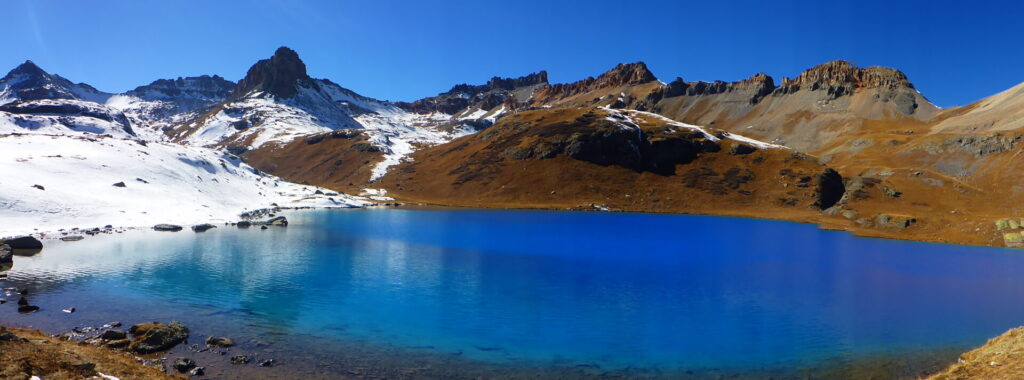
{"points": [[626, 73], [28, 68], [281, 75]]}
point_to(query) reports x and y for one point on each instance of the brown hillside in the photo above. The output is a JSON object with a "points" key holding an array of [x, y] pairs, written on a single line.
{"points": [[591, 158]]}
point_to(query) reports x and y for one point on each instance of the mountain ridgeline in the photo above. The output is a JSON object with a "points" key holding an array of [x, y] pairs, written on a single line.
{"points": [[851, 148]]}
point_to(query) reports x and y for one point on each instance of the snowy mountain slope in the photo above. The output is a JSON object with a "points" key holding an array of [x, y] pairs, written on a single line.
{"points": [[64, 116], [29, 82], [163, 183]]}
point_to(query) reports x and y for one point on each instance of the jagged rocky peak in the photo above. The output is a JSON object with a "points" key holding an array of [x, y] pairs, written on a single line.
{"points": [[842, 73], [757, 85], [626, 74], [280, 76], [533, 79], [204, 86], [495, 92], [30, 82]]}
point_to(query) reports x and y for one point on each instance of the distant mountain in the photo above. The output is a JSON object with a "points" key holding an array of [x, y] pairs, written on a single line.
{"points": [[30, 82]]}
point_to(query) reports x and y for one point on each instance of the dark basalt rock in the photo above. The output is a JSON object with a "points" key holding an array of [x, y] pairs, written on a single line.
{"points": [[113, 335], [829, 190], [202, 227], [120, 184], [23, 242], [280, 76], [183, 364], [244, 224], [741, 149], [6, 254], [240, 359], [156, 337], [26, 309], [167, 227]]}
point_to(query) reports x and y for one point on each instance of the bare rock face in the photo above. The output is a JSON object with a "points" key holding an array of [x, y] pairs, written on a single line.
{"points": [[754, 88], [495, 92], [842, 77], [622, 74], [281, 75]]}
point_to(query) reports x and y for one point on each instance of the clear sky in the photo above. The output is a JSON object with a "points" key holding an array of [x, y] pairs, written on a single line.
{"points": [[955, 52]]}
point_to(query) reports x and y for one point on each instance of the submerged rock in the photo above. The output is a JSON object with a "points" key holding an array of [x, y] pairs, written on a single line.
{"points": [[25, 309], [184, 364], [240, 359], [72, 238], [220, 342], [278, 221], [167, 227], [156, 337]]}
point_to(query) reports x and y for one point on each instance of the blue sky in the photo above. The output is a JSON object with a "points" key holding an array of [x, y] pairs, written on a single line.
{"points": [[954, 52]]}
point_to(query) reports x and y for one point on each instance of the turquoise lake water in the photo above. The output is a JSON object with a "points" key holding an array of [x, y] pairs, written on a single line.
{"points": [[673, 293]]}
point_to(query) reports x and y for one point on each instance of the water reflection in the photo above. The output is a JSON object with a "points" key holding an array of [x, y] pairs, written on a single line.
{"points": [[618, 290]]}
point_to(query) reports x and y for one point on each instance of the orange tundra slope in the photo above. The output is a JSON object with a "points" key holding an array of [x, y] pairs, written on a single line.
{"points": [[599, 158]]}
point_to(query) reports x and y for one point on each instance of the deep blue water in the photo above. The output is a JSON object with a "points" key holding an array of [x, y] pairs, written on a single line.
{"points": [[611, 290]]}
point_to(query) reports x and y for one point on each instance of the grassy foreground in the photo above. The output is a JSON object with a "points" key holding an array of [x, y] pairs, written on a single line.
{"points": [[1001, 357], [27, 353]]}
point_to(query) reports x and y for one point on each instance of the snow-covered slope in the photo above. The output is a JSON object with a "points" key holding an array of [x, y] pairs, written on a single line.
{"points": [[29, 82], [64, 116], [163, 183]]}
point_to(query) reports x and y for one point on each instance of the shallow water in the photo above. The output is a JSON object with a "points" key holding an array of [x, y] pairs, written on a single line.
{"points": [[406, 292]]}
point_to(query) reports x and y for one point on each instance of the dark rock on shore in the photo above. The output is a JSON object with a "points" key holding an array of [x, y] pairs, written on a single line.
{"points": [[244, 224], [278, 221], [184, 364], [202, 227], [72, 238], [6, 257], [156, 337], [113, 335], [167, 227], [25, 309], [240, 359], [23, 242]]}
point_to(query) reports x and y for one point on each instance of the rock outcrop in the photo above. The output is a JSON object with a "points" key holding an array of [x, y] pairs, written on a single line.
{"points": [[280, 75], [495, 92], [155, 337], [23, 242], [623, 74]]}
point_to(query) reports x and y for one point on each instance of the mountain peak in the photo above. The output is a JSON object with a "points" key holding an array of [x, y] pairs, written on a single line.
{"points": [[626, 73], [841, 72], [28, 68], [280, 75]]}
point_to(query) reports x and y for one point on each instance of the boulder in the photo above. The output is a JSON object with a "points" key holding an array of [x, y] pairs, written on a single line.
{"points": [[120, 184], [6, 257], [120, 343], [220, 342], [240, 359], [184, 364], [113, 335], [167, 227], [202, 227], [244, 224], [23, 242], [155, 337], [25, 309], [278, 221]]}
